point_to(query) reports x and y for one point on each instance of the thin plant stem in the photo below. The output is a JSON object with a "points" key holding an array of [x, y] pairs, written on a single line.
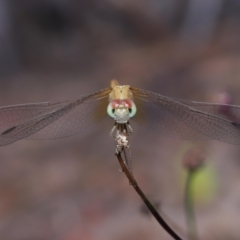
{"points": [[149, 205], [189, 209]]}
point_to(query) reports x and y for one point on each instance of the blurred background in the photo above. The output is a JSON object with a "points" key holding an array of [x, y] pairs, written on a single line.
{"points": [[72, 188]]}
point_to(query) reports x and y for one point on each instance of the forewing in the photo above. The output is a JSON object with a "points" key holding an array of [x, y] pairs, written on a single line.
{"points": [[229, 112], [176, 119], [18, 114], [56, 120]]}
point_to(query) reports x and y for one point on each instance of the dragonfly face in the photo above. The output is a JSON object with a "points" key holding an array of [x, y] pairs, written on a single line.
{"points": [[121, 110], [121, 106]]}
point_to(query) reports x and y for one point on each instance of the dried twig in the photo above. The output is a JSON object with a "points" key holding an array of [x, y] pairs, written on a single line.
{"points": [[151, 208]]}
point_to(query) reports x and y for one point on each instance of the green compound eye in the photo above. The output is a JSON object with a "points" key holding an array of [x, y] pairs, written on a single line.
{"points": [[110, 110], [132, 110]]}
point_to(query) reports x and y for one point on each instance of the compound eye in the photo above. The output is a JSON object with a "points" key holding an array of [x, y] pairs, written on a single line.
{"points": [[132, 110], [110, 110]]}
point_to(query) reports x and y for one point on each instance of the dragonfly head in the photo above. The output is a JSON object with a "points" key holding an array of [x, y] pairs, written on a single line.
{"points": [[121, 110]]}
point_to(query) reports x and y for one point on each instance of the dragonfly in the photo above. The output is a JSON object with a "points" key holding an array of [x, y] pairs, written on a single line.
{"points": [[123, 103]]}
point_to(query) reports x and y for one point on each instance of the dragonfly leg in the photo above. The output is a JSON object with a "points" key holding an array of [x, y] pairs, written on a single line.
{"points": [[129, 128], [113, 129]]}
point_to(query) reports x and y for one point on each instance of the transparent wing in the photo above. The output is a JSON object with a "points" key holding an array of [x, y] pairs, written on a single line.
{"points": [[230, 112], [52, 120], [185, 119], [17, 114]]}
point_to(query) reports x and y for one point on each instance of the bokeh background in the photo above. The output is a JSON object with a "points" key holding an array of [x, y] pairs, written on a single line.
{"points": [[72, 188]]}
